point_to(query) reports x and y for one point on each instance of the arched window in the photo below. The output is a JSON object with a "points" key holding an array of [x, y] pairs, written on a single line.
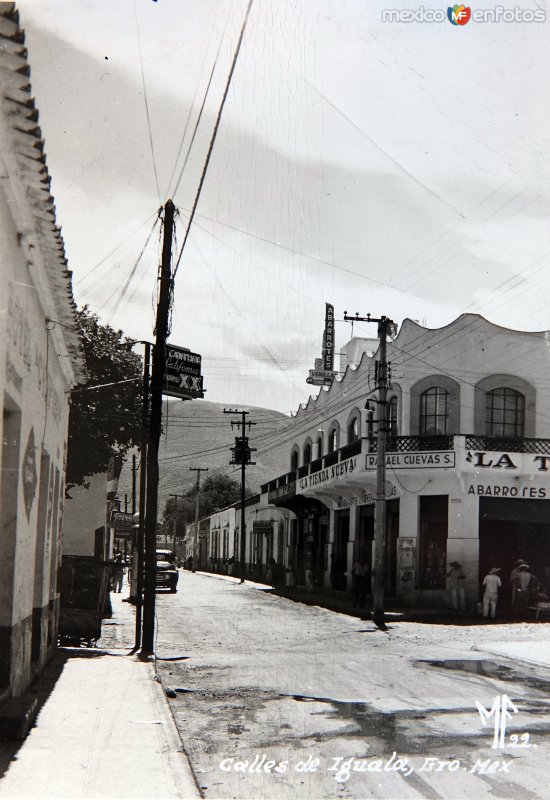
{"points": [[294, 457], [307, 452], [392, 416], [505, 413], [434, 412], [333, 438], [369, 418], [353, 429], [319, 446]]}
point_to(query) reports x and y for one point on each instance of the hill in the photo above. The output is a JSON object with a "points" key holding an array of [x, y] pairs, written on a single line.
{"points": [[199, 434]]}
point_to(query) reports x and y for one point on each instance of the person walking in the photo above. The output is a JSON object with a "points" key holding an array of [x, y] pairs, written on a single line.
{"points": [[522, 580], [455, 584], [118, 573], [491, 585], [360, 572]]}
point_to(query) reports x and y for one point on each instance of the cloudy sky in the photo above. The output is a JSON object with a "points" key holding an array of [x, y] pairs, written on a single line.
{"points": [[391, 168]]}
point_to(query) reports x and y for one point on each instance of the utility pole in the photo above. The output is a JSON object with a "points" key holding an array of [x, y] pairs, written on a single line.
{"points": [[175, 496], [198, 470], [379, 571], [241, 455], [136, 590], [155, 421]]}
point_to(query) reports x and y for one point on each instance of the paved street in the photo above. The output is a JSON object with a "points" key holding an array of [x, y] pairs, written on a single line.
{"points": [[283, 700]]}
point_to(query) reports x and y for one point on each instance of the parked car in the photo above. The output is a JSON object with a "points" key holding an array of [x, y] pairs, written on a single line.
{"points": [[167, 572]]}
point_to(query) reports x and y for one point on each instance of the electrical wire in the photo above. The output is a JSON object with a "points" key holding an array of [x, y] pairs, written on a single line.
{"points": [[214, 134], [146, 104], [197, 122]]}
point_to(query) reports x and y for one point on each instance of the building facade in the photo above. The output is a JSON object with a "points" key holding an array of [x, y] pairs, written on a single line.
{"points": [[40, 362], [467, 464]]}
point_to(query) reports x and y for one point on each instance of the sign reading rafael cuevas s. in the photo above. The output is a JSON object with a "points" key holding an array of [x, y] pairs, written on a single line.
{"points": [[183, 377]]}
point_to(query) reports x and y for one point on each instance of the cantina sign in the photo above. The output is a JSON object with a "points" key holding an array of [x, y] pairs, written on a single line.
{"points": [[182, 377]]}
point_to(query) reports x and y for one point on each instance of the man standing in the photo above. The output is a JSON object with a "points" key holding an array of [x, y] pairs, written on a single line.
{"points": [[521, 582], [517, 565], [360, 572], [491, 584], [455, 583]]}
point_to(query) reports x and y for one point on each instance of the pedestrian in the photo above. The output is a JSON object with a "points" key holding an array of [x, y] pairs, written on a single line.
{"points": [[455, 584], [517, 565], [118, 573], [491, 584], [522, 580], [290, 579], [333, 571], [360, 572]]}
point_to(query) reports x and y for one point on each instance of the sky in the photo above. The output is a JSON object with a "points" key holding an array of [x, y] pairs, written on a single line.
{"points": [[395, 168]]}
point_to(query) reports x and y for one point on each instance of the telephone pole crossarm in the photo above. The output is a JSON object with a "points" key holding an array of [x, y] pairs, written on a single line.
{"points": [[198, 470], [241, 455]]}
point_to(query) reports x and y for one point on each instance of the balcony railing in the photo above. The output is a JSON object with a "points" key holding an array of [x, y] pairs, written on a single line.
{"points": [[410, 444], [504, 445], [349, 450]]}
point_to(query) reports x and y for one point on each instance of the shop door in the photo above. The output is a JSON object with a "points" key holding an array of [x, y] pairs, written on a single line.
{"points": [[509, 530], [341, 550], [392, 534], [364, 541]]}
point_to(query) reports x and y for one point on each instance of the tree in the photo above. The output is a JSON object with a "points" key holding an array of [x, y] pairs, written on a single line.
{"points": [[103, 422], [216, 492]]}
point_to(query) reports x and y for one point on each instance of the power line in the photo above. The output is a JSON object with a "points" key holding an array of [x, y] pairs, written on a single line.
{"points": [[214, 134], [146, 105], [199, 117]]}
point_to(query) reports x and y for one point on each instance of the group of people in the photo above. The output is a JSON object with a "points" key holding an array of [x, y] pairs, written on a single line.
{"points": [[526, 588]]}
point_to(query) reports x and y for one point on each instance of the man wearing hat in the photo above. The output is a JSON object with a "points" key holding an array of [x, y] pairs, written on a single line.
{"points": [[455, 583], [513, 574], [521, 582], [491, 585]]}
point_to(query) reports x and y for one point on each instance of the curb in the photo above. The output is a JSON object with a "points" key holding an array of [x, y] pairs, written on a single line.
{"points": [[175, 742]]}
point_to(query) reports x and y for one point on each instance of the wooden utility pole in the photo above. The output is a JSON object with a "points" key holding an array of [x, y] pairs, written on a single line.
{"points": [[241, 455], [379, 571], [198, 470], [155, 421], [175, 527], [138, 560]]}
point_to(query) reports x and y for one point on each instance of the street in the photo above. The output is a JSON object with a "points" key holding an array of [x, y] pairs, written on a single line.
{"points": [[276, 699]]}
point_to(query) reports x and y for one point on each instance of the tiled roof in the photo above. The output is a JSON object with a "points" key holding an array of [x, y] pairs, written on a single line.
{"points": [[19, 110]]}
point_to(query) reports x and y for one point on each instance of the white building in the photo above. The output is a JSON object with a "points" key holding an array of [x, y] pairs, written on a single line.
{"points": [[467, 464], [40, 362]]}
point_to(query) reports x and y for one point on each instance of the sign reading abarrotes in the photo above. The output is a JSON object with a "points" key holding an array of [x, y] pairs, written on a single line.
{"points": [[413, 460], [183, 377]]}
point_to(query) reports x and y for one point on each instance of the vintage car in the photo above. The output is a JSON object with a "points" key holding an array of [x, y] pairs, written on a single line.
{"points": [[167, 572]]}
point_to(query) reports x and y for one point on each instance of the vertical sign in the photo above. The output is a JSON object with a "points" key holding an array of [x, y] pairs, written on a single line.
{"points": [[328, 338]]}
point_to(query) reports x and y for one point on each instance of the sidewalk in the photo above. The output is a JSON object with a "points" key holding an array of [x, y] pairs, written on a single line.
{"points": [[105, 730]]}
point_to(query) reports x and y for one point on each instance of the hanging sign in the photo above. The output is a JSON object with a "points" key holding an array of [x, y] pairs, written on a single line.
{"points": [[323, 374], [328, 338], [182, 377]]}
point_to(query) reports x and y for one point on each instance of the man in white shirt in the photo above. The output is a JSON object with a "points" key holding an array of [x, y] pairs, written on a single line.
{"points": [[491, 584]]}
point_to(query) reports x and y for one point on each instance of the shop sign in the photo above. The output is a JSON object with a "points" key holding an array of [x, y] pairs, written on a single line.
{"points": [[182, 377], [524, 462], [329, 474], [320, 377], [289, 490], [121, 522], [262, 528], [324, 373], [525, 492], [427, 460]]}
